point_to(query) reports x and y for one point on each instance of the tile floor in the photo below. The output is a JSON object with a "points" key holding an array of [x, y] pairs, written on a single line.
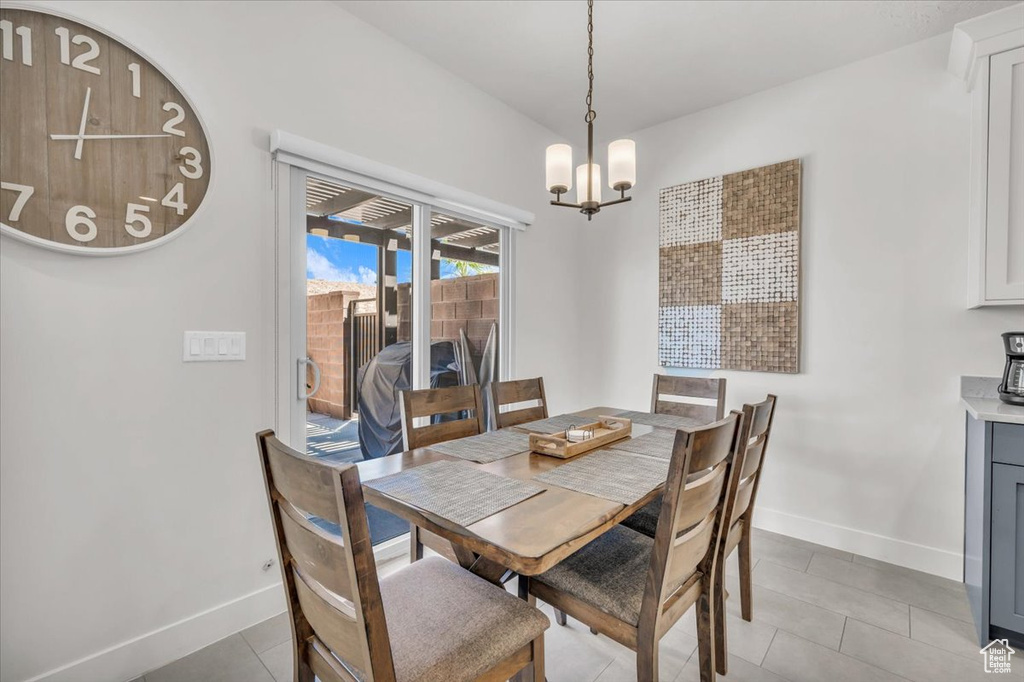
{"points": [[819, 615]]}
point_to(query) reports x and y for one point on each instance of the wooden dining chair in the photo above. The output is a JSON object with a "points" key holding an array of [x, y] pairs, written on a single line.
{"points": [[688, 387], [506, 393], [466, 405], [633, 588], [646, 519], [436, 402], [757, 427], [429, 622]]}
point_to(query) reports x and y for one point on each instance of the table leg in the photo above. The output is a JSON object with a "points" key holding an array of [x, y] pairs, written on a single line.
{"points": [[490, 571], [466, 557], [525, 675], [524, 590]]}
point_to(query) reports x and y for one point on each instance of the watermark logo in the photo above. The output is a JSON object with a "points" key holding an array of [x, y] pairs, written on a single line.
{"points": [[997, 656]]}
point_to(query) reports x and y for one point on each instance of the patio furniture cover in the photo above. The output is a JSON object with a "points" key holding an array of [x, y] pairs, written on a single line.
{"points": [[378, 383]]}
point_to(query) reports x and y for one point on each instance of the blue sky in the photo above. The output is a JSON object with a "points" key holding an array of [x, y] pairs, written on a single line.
{"points": [[342, 261]]}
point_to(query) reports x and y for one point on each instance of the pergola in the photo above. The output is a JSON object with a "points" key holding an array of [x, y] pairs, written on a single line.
{"points": [[354, 215]]}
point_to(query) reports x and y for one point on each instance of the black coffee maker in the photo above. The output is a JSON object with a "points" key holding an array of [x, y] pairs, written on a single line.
{"points": [[1011, 390]]}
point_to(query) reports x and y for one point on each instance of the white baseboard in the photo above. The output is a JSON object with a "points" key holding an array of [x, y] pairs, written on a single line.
{"points": [[900, 552], [137, 656], [133, 658]]}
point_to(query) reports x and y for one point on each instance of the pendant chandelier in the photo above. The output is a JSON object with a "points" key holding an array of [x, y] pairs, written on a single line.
{"points": [[621, 156]]}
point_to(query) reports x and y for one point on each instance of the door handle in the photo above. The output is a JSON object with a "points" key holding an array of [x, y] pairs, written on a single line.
{"points": [[302, 386]]}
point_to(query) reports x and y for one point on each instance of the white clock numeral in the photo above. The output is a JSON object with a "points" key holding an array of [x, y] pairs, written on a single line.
{"points": [[25, 192], [79, 216], [82, 60], [176, 199], [136, 213], [195, 163], [179, 116], [136, 79], [23, 32], [7, 32]]}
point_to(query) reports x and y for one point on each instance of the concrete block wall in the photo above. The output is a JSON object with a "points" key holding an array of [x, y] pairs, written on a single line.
{"points": [[325, 344], [469, 303]]}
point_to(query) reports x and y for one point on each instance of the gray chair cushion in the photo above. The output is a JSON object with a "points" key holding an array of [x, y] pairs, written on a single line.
{"points": [[645, 519], [447, 624], [609, 573]]}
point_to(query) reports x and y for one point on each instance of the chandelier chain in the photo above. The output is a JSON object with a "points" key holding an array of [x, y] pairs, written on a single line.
{"points": [[591, 114]]}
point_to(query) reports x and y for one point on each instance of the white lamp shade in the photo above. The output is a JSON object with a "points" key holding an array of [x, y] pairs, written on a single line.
{"points": [[581, 184], [559, 167], [622, 164]]}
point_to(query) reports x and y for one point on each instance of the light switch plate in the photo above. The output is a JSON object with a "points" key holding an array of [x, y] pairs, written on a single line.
{"points": [[213, 346]]}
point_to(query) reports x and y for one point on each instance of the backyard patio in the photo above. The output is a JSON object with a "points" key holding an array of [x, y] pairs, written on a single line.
{"points": [[331, 439]]}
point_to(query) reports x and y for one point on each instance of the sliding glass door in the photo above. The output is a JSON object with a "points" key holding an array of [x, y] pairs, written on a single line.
{"points": [[386, 294]]}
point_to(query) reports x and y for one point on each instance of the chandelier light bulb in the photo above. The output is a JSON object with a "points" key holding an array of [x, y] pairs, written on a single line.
{"points": [[581, 184], [559, 168], [621, 164]]}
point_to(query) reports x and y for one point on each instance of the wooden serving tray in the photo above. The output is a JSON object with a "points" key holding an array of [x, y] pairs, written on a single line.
{"points": [[606, 430]]}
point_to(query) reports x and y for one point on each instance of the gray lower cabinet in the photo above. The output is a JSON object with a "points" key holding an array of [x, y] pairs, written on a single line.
{"points": [[1007, 594], [994, 529]]}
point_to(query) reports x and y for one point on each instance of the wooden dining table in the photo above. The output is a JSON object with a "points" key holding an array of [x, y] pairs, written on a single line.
{"points": [[527, 538]]}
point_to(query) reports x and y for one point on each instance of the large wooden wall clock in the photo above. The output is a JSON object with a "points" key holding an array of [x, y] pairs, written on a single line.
{"points": [[100, 152]]}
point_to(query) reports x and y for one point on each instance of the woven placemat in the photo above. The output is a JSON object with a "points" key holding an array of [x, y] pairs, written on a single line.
{"points": [[664, 421], [487, 447], [657, 443], [609, 474], [456, 491], [557, 423]]}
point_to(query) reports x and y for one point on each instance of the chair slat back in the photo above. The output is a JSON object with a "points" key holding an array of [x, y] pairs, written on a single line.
{"points": [[695, 496], [304, 482], [688, 387], [709, 445], [744, 494], [315, 552], [689, 551], [700, 497], [519, 391], [325, 665], [429, 402], [331, 581], [757, 426], [763, 413], [752, 459], [333, 624]]}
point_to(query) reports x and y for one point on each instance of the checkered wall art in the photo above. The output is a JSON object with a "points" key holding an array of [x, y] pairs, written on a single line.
{"points": [[729, 278]]}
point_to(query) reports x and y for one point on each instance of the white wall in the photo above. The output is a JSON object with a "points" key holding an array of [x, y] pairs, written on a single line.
{"points": [[867, 453], [133, 517]]}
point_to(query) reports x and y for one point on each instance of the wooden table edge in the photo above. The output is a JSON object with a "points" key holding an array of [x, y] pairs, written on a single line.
{"points": [[524, 565]]}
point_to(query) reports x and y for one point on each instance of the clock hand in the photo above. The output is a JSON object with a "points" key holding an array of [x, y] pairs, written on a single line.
{"points": [[102, 137], [81, 128]]}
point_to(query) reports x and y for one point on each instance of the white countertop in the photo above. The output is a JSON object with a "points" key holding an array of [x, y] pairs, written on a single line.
{"points": [[979, 396]]}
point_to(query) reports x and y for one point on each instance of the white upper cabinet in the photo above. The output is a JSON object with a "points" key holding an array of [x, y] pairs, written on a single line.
{"points": [[1004, 254], [987, 53]]}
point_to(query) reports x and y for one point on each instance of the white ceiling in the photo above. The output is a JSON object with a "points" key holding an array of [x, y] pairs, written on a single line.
{"points": [[654, 60]]}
